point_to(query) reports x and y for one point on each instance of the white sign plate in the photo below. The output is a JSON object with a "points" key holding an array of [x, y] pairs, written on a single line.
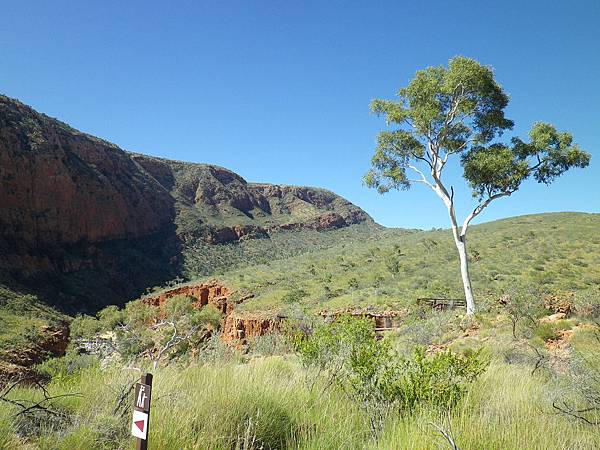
{"points": [[139, 425]]}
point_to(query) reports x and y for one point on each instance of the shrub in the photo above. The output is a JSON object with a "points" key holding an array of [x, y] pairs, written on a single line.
{"points": [[294, 295], [440, 380], [84, 327], [69, 365], [524, 308], [587, 303], [269, 345], [370, 372], [546, 331]]}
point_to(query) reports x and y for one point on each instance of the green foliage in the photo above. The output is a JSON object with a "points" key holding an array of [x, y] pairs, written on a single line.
{"points": [[546, 331], [587, 303], [23, 316], [440, 380], [371, 372], [451, 107], [493, 170], [143, 329], [84, 327], [341, 341], [294, 295], [460, 110], [174, 327], [201, 259], [393, 265], [67, 366]]}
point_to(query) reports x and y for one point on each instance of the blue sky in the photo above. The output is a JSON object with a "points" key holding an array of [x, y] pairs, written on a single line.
{"points": [[279, 91]]}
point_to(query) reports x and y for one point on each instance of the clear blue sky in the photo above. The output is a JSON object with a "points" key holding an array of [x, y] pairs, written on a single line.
{"points": [[279, 91]]}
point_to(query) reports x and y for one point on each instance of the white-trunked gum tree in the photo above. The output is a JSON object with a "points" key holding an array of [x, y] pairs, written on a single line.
{"points": [[455, 114]]}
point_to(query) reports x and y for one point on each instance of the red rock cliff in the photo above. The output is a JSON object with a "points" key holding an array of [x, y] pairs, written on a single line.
{"points": [[60, 187]]}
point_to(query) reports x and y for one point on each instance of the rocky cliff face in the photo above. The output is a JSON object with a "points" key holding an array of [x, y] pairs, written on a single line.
{"points": [[90, 224], [73, 209], [218, 206], [60, 187]]}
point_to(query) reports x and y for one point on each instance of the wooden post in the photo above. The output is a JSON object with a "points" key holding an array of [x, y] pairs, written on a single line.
{"points": [[141, 409]]}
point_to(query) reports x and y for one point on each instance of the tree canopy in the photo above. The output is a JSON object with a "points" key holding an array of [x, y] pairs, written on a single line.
{"points": [[460, 110]]}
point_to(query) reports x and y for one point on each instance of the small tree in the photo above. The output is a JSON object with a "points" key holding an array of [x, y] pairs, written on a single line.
{"points": [[459, 111], [159, 332]]}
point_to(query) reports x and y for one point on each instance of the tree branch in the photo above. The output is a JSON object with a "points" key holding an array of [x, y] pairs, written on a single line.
{"points": [[175, 339], [575, 413], [423, 178], [479, 209], [447, 434]]}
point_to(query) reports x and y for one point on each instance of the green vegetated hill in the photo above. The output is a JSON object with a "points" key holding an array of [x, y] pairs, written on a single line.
{"points": [[252, 223], [390, 268]]}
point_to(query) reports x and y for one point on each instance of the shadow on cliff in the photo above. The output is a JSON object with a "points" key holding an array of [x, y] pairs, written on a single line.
{"points": [[89, 276]]}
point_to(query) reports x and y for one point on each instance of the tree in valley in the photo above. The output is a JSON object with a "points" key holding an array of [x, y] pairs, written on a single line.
{"points": [[456, 114]]}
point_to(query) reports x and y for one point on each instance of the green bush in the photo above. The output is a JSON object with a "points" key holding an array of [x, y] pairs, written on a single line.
{"points": [[85, 327], [546, 331], [69, 365], [587, 303], [439, 380], [294, 295], [369, 371]]}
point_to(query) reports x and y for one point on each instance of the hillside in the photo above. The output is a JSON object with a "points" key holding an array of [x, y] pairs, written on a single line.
{"points": [[545, 253], [84, 223]]}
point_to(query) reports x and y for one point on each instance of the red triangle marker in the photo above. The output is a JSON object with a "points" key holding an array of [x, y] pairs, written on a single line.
{"points": [[140, 424]]}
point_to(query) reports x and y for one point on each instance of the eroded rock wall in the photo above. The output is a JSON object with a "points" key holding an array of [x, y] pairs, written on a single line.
{"points": [[236, 327]]}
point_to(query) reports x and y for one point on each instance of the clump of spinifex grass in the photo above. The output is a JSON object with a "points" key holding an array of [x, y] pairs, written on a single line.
{"points": [[504, 410], [267, 404]]}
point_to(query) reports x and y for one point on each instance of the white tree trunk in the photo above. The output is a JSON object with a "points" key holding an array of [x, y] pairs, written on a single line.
{"points": [[461, 245]]}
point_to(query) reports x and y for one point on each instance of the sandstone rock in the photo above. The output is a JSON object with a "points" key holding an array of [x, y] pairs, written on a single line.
{"points": [[212, 293], [238, 329], [553, 318]]}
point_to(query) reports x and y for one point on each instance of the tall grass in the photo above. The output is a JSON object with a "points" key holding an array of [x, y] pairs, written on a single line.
{"points": [[267, 404], [504, 410]]}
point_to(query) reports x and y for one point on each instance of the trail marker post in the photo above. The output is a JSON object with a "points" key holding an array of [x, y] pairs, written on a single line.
{"points": [[141, 411]]}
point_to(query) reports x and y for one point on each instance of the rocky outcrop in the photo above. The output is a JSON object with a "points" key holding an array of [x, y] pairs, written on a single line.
{"points": [[212, 293], [236, 328], [52, 341], [61, 188]]}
